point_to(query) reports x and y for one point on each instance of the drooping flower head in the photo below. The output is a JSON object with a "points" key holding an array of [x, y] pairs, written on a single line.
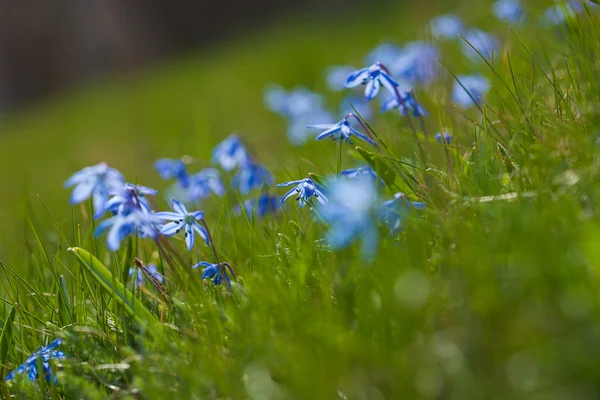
{"points": [[342, 130], [483, 42], [204, 183], [212, 271], [172, 168], [470, 91], [139, 279], [373, 78], [393, 212], [409, 103], [447, 26], [264, 205], [96, 182], [183, 219], [128, 221], [305, 190], [510, 11], [350, 214], [127, 197], [443, 138], [251, 176], [230, 153], [44, 355]]}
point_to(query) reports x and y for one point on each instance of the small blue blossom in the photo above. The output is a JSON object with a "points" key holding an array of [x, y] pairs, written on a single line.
{"points": [[394, 211], [340, 131], [510, 11], [350, 214], [485, 44], [362, 106], [373, 77], [443, 138], [360, 173], [418, 63], [475, 86], [385, 53], [171, 168], [563, 11], [305, 190], [297, 132], [446, 26], [139, 279], [213, 271], [30, 366], [251, 176], [181, 218], [126, 198], [96, 182], [203, 183], [265, 204], [129, 221], [230, 153], [293, 104], [408, 98], [336, 76]]}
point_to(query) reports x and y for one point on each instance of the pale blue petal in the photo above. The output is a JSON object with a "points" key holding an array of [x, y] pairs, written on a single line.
{"points": [[179, 207], [372, 89], [189, 237], [171, 228], [82, 191], [168, 215]]}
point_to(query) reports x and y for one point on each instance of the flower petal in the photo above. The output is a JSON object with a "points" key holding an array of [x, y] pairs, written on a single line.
{"points": [[357, 78], [179, 207], [168, 215], [189, 237], [171, 228], [372, 89], [82, 191]]}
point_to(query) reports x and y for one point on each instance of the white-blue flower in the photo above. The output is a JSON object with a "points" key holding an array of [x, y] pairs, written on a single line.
{"points": [[340, 131], [510, 11], [230, 153], [394, 211], [183, 219], [470, 91], [96, 182], [447, 26], [485, 44], [304, 191], [373, 78], [202, 184]]}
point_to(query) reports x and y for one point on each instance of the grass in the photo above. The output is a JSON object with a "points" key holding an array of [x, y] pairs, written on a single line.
{"points": [[492, 291]]}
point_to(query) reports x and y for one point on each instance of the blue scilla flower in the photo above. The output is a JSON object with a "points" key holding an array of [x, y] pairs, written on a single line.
{"points": [[44, 355], [443, 138], [139, 279], [360, 173], [172, 168], [183, 219], [409, 101], [480, 40], [362, 106], [230, 153], [510, 11], [350, 214], [340, 131], [96, 182], [126, 198], [204, 183], [304, 191], [251, 176], [373, 77], [385, 53], [336, 76], [447, 26], [471, 88], [393, 212], [297, 132], [213, 271], [264, 205], [295, 103], [418, 63], [128, 221], [563, 11]]}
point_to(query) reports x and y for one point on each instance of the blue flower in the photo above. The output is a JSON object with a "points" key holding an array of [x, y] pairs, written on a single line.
{"points": [[168, 168], [203, 183], [297, 132], [182, 218], [373, 77], [126, 198], [362, 106], [139, 279], [340, 131], [265, 204], [480, 40], [360, 173], [385, 53], [409, 101], [230, 153], [350, 214], [336, 76], [95, 182], [418, 63], [304, 190], [129, 221], [30, 366], [394, 211], [446, 26], [445, 138], [251, 176], [213, 271], [293, 104], [475, 88], [510, 11]]}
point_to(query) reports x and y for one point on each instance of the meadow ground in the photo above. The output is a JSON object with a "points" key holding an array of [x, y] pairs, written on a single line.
{"points": [[485, 284]]}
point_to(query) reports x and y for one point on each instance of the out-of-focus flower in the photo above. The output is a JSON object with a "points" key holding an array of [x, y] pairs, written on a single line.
{"points": [[129, 221], [230, 153], [362, 106], [510, 11], [183, 219], [213, 271], [373, 77], [472, 90], [485, 44], [265, 204], [127, 197], [350, 214], [251, 176], [304, 190], [418, 63], [336, 76], [385, 53], [360, 173], [295, 103], [340, 131], [409, 101], [30, 366], [139, 279], [169, 168], [297, 132], [203, 183], [394, 211], [96, 182], [443, 138], [446, 26]]}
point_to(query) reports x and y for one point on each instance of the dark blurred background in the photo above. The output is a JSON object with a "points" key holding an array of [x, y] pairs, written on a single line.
{"points": [[49, 45]]}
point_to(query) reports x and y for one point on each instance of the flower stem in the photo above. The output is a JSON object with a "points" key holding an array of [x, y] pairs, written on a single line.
{"points": [[339, 160]]}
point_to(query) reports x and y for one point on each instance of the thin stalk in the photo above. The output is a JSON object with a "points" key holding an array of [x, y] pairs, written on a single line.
{"points": [[339, 160]]}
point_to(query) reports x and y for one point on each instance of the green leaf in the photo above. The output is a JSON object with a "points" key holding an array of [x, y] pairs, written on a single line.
{"points": [[395, 181], [317, 178], [66, 317], [6, 338], [132, 306]]}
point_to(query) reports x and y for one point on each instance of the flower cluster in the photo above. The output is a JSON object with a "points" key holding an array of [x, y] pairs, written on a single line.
{"points": [[41, 358]]}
